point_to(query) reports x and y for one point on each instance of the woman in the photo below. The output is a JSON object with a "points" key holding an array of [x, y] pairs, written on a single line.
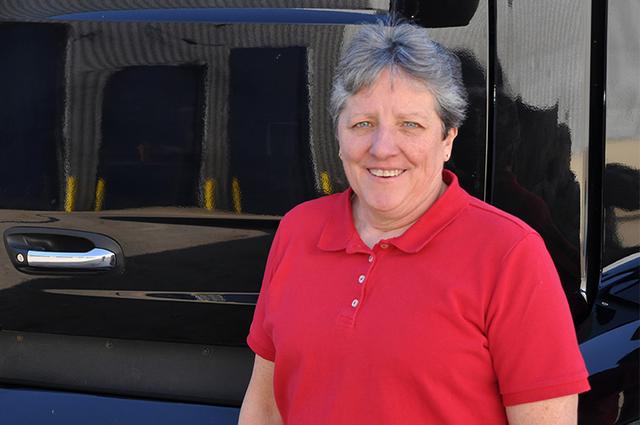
{"points": [[405, 300]]}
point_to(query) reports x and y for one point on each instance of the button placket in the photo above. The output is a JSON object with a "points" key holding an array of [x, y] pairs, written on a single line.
{"points": [[361, 281], [362, 277]]}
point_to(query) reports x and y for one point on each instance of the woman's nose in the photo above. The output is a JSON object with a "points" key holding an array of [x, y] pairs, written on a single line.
{"points": [[383, 142]]}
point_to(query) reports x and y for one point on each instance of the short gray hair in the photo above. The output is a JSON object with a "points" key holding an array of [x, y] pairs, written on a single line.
{"points": [[406, 47]]}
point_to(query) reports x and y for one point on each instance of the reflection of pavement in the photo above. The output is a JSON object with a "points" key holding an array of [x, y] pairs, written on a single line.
{"points": [[141, 231], [628, 227], [625, 151], [226, 266]]}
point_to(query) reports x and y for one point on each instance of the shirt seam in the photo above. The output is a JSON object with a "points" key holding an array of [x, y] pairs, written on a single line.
{"points": [[503, 260], [565, 380], [488, 208], [258, 348]]}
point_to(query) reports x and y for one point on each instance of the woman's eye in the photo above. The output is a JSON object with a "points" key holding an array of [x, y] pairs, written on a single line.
{"points": [[411, 124], [363, 124]]}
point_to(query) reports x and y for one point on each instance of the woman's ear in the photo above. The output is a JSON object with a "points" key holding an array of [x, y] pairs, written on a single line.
{"points": [[448, 142], [451, 134]]}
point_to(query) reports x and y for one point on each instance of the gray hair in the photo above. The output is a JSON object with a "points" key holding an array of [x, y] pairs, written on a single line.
{"points": [[408, 48]]}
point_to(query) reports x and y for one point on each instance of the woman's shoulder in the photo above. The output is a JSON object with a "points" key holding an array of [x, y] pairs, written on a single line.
{"points": [[316, 208], [488, 218], [313, 214]]}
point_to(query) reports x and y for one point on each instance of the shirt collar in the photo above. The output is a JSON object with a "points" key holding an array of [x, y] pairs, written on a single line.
{"points": [[339, 232]]}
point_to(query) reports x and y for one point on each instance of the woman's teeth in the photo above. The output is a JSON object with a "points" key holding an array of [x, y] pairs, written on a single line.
{"points": [[385, 173]]}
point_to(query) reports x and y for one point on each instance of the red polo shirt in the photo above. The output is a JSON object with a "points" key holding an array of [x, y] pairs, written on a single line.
{"points": [[458, 317]]}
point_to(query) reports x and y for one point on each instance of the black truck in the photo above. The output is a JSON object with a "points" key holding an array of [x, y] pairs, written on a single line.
{"points": [[150, 147]]}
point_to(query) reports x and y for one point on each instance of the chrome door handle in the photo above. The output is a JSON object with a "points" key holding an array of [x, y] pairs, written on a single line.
{"points": [[95, 259], [56, 251]]}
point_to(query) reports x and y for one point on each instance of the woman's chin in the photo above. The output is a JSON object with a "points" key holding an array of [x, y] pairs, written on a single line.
{"points": [[383, 204]]}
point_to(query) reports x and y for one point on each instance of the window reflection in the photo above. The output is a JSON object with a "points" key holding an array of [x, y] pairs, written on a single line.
{"points": [[31, 111], [152, 132], [534, 181], [269, 129], [622, 151]]}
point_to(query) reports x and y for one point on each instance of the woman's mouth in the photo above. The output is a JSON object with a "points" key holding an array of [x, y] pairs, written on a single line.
{"points": [[379, 172]]}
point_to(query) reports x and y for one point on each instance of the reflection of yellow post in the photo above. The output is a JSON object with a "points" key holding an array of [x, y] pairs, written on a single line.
{"points": [[325, 182], [209, 194], [237, 195], [100, 187], [70, 195]]}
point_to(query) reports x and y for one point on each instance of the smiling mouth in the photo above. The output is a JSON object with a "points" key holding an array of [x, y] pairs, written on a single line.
{"points": [[378, 172]]}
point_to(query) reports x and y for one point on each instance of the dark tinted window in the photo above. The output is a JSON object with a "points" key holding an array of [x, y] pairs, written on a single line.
{"points": [[269, 129], [31, 111], [152, 133]]}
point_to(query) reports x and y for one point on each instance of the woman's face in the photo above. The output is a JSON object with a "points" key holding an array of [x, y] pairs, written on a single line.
{"points": [[392, 146]]}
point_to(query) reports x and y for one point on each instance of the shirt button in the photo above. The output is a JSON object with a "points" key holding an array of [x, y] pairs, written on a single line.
{"points": [[371, 258], [384, 245], [361, 278], [354, 303]]}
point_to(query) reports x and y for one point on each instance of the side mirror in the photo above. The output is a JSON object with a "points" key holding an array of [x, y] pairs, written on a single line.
{"points": [[437, 13]]}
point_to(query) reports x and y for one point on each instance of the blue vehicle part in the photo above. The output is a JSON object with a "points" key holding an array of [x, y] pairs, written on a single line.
{"points": [[28, 407], [598, 353], [226, 16]]}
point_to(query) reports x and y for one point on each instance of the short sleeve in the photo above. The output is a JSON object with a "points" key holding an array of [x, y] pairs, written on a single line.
{"points": [[259, 339], [531, 335]]}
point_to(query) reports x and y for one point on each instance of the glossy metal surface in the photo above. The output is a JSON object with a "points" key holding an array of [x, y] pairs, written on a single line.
{"points": [[182, 141], [622, 149], [224, 16], [185, 139], [610, 344], [542, 127], [470, 43], [97, 258], [611, 335], [543, 78], [231, 298]]}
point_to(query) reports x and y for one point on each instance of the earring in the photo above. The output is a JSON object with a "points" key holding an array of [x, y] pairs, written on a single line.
{"points": [[446, 157], [340, 153]]}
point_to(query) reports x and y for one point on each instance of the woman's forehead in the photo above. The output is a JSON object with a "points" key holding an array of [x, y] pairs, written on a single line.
{"points": [[402, 92]]}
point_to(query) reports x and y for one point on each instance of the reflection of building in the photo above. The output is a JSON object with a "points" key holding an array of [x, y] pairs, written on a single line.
{"points": [[99, 55], [145, 108], [622, 152], [133, 108]]}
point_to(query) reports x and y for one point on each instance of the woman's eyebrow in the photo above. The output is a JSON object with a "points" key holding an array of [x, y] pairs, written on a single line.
{"points": [[359, 114], [414, 114]]}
